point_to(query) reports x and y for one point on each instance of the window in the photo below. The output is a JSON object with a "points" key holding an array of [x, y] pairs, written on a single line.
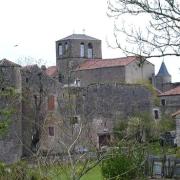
{"points": [[82, 50], [27, 80], [60, 78], [74, 120], [163, 102], [60, 49], [77, 82], [156, 114], [51, 103], [51, 131], [90, 51]]}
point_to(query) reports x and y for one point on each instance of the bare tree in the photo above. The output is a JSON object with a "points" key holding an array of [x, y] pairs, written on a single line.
{"points": [[159, 32]]}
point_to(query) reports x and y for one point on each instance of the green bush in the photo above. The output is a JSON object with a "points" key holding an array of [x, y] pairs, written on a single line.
{"points": [[121, 165]]}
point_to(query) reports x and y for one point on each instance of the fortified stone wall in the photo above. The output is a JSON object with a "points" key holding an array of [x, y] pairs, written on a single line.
{"points": [[101, 106], [110, 100]]}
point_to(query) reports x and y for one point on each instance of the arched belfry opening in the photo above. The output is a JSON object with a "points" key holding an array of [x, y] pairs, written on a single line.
{"points": [[90, 51], [82, 50]]}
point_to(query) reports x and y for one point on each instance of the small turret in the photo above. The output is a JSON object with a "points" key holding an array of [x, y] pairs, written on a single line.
{"points": [[162, 78]]}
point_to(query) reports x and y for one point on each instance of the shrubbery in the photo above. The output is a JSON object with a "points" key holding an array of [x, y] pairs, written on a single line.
{"points": [[124, 164]]}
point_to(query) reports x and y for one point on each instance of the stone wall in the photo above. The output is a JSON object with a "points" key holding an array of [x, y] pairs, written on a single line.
{"points": [[135, 73], [101, 75], [100, 107]]}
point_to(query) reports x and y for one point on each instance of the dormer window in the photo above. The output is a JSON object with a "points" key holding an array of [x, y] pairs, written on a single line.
{"points": [[90, 51], [60, 49], [82, 50]]}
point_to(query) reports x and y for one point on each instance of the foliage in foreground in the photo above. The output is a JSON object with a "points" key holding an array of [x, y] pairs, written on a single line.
{"points": [[23, 171], [19, 171], [124, 163]]}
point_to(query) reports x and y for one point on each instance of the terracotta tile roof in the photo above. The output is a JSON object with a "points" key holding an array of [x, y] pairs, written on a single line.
{"points": [[102, 63], [7, 63], [176, 113], [51, 71], [171, 92]]}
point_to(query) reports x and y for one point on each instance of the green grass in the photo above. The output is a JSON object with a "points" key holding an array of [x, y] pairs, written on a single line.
{"points": [[63, 173], [94, 174]]}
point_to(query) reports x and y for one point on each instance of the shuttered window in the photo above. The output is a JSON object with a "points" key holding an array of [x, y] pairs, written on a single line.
{"points": [[51, 103]]}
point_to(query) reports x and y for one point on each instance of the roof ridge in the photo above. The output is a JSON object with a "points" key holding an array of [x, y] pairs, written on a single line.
{"points": [[78, 36], [6, 62], [171, 92], [104, 63]]}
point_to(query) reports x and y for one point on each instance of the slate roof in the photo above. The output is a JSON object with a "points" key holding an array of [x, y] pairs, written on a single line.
{"points": [[79, 36], [7, 63], [171, 92], [103, 63], [51, 71], [163, 70]]}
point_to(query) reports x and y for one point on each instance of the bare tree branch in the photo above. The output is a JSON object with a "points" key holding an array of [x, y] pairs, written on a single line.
{"points": [[160, 37]]}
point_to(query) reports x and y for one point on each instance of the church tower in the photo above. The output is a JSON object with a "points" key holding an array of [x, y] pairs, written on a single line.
{"points": [[73, 50], [163, 78]]}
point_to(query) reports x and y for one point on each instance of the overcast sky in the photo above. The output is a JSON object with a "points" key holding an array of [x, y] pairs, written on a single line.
{"points": [[35, 25]]}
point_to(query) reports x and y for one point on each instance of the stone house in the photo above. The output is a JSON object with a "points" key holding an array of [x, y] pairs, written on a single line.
{"points": [[121, 70], [170, 101], [42, 92]]}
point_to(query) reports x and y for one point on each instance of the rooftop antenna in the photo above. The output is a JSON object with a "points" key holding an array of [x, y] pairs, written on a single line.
{"points": [[84, 31]]}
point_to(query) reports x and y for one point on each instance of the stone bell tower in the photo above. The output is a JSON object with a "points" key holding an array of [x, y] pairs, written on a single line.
{"points": [[73, 50]]}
